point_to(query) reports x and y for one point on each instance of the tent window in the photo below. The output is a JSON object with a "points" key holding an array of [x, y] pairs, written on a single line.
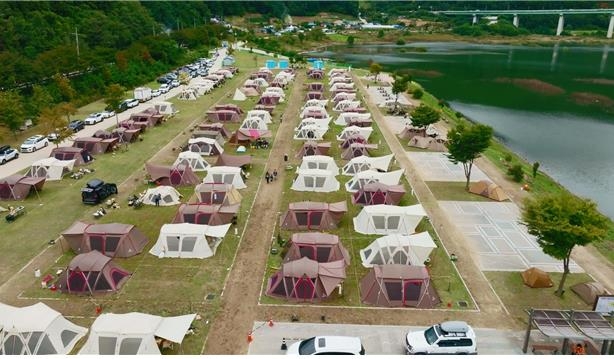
{"points": [[308, 182], [378, 258], [367, 253], [301, 218], [279, 289], [91, 279], [304, 289], [401, 258], [393, 289], [323, 165], [130, 346], [218, 178], [306, 251], [167, 199], [189, 218], [103, 284], [106, 345], [323, 254], [379, 222], [393, 222], [46, 347], [13, 345], [33, 341], [117, 276], [175, 177], [111, 244], [194, 148], [76, 282], [67, 336], [412, 291], [96, 242], [203, 218], [312, 165], [188, 244], [172, 243], [385, 256], [320, 182], [315, 219], [228, 178], [218, 198], [310, 151]]}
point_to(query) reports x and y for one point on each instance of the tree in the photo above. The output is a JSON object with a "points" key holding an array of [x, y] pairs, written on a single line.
{"points": [[113, 97], [184, 78], [67, 92], [11, 110], [398, 87], [380, 34], [40, 99], [66, 109], [423, 116], [350, 40], [535, 168], [516, 172], [465, 144], [418, 93], [562, 221], [375, 69], [52, 121]]}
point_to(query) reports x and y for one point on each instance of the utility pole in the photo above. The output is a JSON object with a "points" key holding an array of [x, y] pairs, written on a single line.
{"points": [[76, 33]]}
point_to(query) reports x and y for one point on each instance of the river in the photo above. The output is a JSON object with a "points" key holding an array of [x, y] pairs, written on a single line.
{"points": [[553, 105]]}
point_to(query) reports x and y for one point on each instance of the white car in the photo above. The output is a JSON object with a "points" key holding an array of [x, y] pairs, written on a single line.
{"points": [[327, 345], [156, 93], [164, 88], [131, 102], [175, 83], [34, 143], [453, 337], [94, 118], [108, 113]]}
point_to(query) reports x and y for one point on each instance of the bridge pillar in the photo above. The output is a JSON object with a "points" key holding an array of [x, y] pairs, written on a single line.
{"points": [[475, 19], [611, 27], [559, 28], [515, 22]]}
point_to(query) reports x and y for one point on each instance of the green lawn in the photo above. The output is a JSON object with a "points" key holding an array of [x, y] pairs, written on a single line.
{"points": [[454, 191]]}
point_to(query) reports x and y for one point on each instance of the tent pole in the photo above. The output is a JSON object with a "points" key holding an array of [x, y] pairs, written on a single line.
{"points": [[527, 335]]}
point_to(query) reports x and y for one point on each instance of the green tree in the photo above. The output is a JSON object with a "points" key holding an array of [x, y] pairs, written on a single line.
{"points": [[301, 37], [51, 121], [465, 144], [113, 97], [560, 222], [66, 109], [40, 100], [350, 40], [380, 34], [375, 69], [67, 92], [423, 116], [398, 87], [11, 110], [418, 93], [535, 168], [516, 172]]}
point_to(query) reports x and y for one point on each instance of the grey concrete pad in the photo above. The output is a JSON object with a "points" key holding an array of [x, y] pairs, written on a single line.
{"points": [[377, 339], [435, 166], [396, 124], [380, 94], [494, 233]]}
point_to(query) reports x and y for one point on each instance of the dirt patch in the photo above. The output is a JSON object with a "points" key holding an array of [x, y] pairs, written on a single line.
{"points": [[533, 85], [592, 99], [597, 81]]}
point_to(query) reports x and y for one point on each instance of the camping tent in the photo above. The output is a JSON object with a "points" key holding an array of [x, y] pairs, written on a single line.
{"points": [[187, 240], [357, 149], [314, 95], [111, 239], [315, 180], [228, 107], [536, 278], [36, 330], [126, 135], [310, 132], [225, 174], [80, 155], [92, 273], [364, 163], [212, 215], [213, 134], [360, 179], [313, 148], [205, 146], [217, 127], [250, 91], [314, 111], [165, 108], [320, 247], [187, 94], [589, 291], [341, 87], [345, 118], [398, 285], [341, 96], [191, 159], [351, 139], [306, 280], [168, 196], [233, 160], [314, 103], [386, 219], [313, 215], [247, 136], [217, 193], [134, 333], [149, 117], [18, 187], [378, 193], [414, 250], [489, 190], [315, 86], [239, 96], [223, 116], [95, 145], [265, 115], [180, 175], [255, 123], [320, 162], [363, 132], [433, 144]]}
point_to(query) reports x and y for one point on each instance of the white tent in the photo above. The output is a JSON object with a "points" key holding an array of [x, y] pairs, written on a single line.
{"points": [[166, 108], [344, 118], [413, 250], [349, 131], [261, 82], [340, 79], [365, 163], [275, 90], [205, 146], [134, 333], [192, 159], [225, 174], [314, 180], [263, 114], [371, 176], [254, 123], [339, 86], [168, 196], [239, 96], [340, 96], [315, 103], [337, 71], [51, 168], [345, 105], [310, 132], [187, 94], [319, 162], [187, 240], [310, 121], [36, 330], [312, 111], [386, 219]]}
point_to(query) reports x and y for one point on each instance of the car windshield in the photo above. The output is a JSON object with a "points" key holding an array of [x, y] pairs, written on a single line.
{"points": [[30, 141], [431, 335], [307, 346]]}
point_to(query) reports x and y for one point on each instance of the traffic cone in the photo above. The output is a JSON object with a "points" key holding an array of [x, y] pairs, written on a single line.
{"points": [[271, 322], [250, 337]]}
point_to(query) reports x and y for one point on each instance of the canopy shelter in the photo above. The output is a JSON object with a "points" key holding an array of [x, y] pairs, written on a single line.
{"points": [[589, 291], [134, 333], [149, 117], [345, 118], [95, 145], [126, 135], [313, 215], [310, 133], [429, 143], [319, 162], [536, 278], [261, 114], [385, 219], [229, 107], [378, 193], [247, 136], [223, 116], [488, 189], [92, 273], [363, 178], [233, 160], [17, 187], [315, 180], [313, 148], [413, 249], [36, 330], [110, 239], [398, 285], [314, 95], [254, 123], [191, 159], [217, 193], [364, 132], [306, 280], [80, 155], [320, 247], [180, 175], [168, 196], [212, 215], [357, 149], [205, 146], [187, 240], [217, 126], [225, 174], [364, 163]]}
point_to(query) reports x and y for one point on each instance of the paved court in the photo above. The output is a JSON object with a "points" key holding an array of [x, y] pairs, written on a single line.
{"points": [[435, 166], [377, 339], [381, 94], [503, 244], [396, 124]]}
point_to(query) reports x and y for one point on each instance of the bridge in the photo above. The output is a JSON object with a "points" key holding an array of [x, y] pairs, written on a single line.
{"points": [[560, 12]]}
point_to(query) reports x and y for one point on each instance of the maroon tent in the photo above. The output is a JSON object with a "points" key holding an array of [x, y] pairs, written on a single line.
{"points": [[95, 145], [306, 280], [360, 122], [17, 187], [313, 215], [92, 273], [320, 247], [102, 134], [133, 125], [246, 136], [171, 176], [213, 215], [378, 193], [409, 132], [126, 135], [233, 161], [80, 155], [268, 108], [355, 138], [147, 118], [218, 126], [278, 83], [314, 95], [269, 100], [223, 116], [111, 239], [229, 107], [398, 285], [315, 74], [315, 86], [312, 148], [356, 150]]}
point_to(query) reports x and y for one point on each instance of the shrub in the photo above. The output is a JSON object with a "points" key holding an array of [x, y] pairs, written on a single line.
{"points": [[418, 93], [516, 172], [508, 158], [400, 42]]}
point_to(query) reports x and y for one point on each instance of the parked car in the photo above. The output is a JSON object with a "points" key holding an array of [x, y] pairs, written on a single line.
{"points": [[164, 88], [7, 153], [156, 93], [94, 118], [175, 83], [327, 345], [96, 190], [76, 125], [129, 103], [34, 143], [53, 136], [108, 113], [164, 80], [453, 337]]}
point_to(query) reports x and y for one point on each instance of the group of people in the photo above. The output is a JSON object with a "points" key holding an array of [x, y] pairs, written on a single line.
{"points": [[270, 177]]}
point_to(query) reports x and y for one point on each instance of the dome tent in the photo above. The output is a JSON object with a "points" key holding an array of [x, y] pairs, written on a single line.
{"points": [[192, 159], [413, 249], [91, 273], [168, 196]]}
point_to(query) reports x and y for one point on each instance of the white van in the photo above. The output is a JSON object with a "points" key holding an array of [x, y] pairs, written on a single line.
{"points": [[454, 337], [327, 345]]}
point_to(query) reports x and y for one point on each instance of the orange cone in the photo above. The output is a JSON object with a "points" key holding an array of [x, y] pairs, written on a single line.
{"points": [[250, 337], [271, 322]]}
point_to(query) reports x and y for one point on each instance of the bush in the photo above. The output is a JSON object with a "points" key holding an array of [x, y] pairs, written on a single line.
{"points": [[508, 158], [443, 103], [459, 114], [418, 93], [516, 172], [400, 42]]}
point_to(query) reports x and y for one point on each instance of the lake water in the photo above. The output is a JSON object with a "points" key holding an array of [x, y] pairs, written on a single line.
{"points": [[553, 105]]}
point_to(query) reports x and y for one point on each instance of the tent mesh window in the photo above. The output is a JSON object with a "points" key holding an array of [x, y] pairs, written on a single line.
{"points": [[13, 345], [306, 251], [167, 199], [309, 183], [111, 243], [393, 222], [130, 346], [91, 279], [33, 342], [379, 222], [172, 243], [315, 218], [67, 336], [412, 291], [203, 218], [393, 289], [279, 289], [45, 346], [175, 177], [401, 258], [189, 217], [302, 218], [116, 276], [229, 178], [323, 254], [77, 281], [312, 165], [320, 182], [96, 243], [384, 255], [310, 151], [106, 345], [195, 148], [304, 288], [188, 244]]}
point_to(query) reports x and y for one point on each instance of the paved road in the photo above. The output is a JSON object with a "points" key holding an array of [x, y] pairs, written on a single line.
{"points": [[25, 160]]}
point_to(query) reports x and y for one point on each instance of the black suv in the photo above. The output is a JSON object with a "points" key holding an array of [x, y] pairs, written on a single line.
{"points": [[96, 191], [76, 125]]}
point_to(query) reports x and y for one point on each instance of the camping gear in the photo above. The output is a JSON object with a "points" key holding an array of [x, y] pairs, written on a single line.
{"points": [[14, 213], [187, 240], [589, 291], [413, 250], [313, 215], [386, 219], [111, 239], [92, 273], [320, 247], [488, 189], [536, 278]]}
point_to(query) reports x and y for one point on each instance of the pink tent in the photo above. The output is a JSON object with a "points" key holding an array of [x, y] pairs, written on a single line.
{"points": [[378, 193], [312, 148], [223, 116], [268, 100], [171, 176], [213, 215], [320, 247], [313, 215]]}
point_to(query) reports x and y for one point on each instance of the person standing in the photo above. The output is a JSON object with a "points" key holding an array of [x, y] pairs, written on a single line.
{"points": [[157, 199]]}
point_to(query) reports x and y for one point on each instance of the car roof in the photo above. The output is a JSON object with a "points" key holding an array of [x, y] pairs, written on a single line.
{"points": [[331, 343], [455, 327]]}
